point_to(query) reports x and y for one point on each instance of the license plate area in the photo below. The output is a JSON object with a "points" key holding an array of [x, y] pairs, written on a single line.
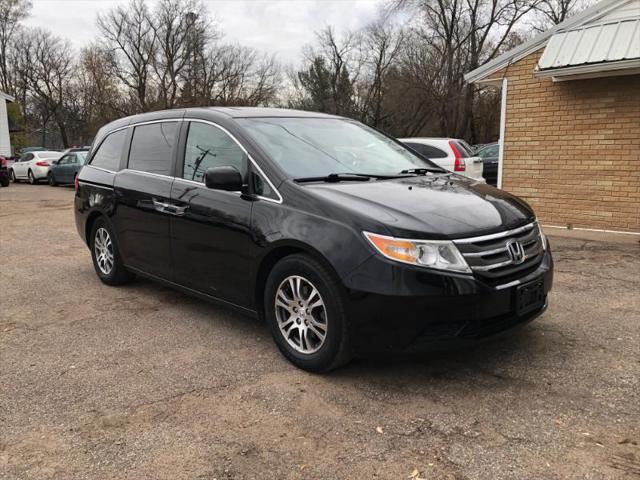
{"points": [[529, 297]]}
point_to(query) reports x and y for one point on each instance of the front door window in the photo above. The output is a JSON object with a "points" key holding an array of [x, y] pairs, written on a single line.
{"points": [[208, 146]]}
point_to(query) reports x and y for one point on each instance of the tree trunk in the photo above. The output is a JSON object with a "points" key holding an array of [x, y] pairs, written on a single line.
{"points": [[63, 131]]}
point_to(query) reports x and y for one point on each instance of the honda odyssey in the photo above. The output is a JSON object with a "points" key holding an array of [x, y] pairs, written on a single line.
{"points": [[342, 239]]}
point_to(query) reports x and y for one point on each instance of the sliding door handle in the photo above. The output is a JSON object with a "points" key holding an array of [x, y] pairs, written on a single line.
{"points": [[160, 206], [169, 208]]}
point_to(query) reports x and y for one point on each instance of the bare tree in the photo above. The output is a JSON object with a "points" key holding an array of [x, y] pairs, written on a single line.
{"points": [[181, 28], [382, 44], [463, 34], [129, 34], [97, 94], [328, 78], [553, 12], [12, 12], [46, 65], [236, 75]]}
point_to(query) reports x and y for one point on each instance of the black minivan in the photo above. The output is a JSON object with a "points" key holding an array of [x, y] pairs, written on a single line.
{"points": [[341, 238]]}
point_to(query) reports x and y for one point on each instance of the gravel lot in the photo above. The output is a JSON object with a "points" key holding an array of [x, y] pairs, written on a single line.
{"points": [[144, 382]]}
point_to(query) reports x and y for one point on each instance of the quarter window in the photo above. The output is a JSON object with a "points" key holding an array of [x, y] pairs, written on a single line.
{"points": [[110, 151], [208, 146], [261, 187], [152, 147]]}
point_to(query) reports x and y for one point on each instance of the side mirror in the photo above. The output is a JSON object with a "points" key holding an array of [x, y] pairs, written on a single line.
{"points": [[223, 178], [55, 162]]}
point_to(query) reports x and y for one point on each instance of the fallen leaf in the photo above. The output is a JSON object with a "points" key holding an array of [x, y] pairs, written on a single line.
{"points": [[379, 430], [414, 473]]}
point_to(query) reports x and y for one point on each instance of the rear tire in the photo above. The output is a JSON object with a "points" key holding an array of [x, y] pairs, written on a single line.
{"points": [[51, 180], [304, 305], [106, 257], [31, 178], [5, 182]]}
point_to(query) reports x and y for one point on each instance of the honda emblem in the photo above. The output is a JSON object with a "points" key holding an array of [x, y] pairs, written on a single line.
{"points": [[515, 251]]}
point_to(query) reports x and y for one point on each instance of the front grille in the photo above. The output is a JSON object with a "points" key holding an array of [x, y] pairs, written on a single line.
{"points": [[489, 258]]}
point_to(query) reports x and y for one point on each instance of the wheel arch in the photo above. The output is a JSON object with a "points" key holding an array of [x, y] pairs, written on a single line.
{"points": [[271, 258], [91, 220]]}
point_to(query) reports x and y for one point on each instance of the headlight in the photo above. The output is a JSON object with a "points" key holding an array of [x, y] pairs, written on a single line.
{"points": [[438, 254]]}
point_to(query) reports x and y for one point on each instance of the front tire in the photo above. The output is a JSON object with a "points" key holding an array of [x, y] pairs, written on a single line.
{"points": [[13, 176], [304, 305], [106, 257], [51, 180]]}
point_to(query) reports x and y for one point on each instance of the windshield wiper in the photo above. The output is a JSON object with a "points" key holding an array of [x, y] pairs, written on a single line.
{"points": [[343, 177], [423, 171]]}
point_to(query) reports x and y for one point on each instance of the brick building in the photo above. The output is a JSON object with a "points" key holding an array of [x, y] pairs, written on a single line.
{"points": [[570, 119]]}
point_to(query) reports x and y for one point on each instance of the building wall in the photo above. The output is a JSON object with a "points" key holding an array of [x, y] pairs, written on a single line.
{"points": [[5, 143], [572, 149]]}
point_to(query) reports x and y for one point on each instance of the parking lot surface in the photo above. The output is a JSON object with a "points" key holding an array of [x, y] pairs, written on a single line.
{"points": [[144, 382]]}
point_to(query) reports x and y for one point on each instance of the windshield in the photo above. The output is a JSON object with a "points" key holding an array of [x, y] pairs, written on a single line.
{"points": [[310, 147]]}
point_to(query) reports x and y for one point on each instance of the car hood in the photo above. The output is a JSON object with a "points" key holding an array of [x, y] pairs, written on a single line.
{"points": [[432, 206]]}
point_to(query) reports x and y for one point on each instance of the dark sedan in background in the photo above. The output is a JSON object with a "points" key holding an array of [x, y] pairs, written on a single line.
{"points": [[4, 172], [489, 155], [67, 167]]}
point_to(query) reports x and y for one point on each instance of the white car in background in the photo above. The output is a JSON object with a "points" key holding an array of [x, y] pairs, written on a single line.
{"points": [[33, 166], [450, 153]]}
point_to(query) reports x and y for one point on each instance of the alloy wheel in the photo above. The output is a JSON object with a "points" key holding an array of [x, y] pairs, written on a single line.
{"points": [[103, 249], [301, 314], [32, 180]]}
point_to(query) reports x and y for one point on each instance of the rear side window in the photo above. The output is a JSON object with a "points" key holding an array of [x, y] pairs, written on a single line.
{"points": [[208, 146], [109, 152], [152, 147], [427, 150]]}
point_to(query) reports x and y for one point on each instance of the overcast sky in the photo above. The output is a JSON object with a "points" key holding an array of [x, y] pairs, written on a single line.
{"points": [[282, 27]]}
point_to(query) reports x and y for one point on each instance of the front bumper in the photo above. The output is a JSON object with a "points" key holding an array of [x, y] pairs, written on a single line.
{"points": [[402, 308]]}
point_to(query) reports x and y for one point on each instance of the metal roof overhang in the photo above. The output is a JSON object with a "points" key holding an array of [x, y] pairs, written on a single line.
{"points": [[506, 59], [594, 70], [7, 97]]}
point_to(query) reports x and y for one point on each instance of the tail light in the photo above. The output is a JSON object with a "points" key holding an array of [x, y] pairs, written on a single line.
{"points": [[75, 183], [459, 165], [42, 163], [4, 162]]}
